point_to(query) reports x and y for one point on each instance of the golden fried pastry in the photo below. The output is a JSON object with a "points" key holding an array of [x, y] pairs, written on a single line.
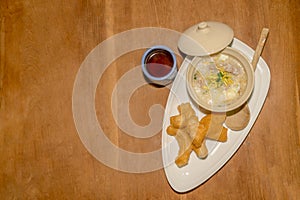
{"points": [[185, 148], [214, 125], [183, 159], [178, 121], [181, 120], [192, 126], [171, 130], [202, 151], [179, 126], [186, 110], [200, 135], [190, 133], [223, 135]]}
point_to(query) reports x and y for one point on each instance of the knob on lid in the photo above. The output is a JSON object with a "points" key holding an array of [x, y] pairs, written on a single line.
{"points": [[205, 38]]}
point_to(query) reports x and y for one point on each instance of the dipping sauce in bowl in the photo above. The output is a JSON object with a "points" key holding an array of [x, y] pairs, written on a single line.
{"points": [[159, 62], [221, 82], [159, 65]]}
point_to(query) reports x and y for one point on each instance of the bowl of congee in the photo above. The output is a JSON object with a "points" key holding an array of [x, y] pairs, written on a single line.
{"points": [[219, 78]]}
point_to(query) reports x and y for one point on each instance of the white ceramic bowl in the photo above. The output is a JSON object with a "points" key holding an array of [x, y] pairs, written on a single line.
{"points": [[238, 102], [159, 80]]}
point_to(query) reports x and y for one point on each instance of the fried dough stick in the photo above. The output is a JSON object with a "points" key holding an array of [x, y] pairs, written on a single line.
{"points": [[188, 133], [214, 126], [201, 152], [185, 112], [185, 148]]}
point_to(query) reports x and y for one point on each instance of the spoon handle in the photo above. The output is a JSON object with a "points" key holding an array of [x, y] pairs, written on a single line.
{"points": [[260, 46]]}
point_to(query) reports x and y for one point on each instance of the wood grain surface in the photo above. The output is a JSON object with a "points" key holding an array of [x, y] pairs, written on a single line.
{"points": [[43, 44]]}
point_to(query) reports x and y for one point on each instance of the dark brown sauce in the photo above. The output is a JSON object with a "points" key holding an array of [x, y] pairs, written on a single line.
{"points": [[159, 63]]}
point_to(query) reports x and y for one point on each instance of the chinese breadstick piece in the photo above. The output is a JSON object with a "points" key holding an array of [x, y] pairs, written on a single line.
{"points": [[185, 148]]}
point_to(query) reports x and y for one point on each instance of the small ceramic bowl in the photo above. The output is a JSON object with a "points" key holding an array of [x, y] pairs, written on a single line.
{"points": [[159, 65], [211, 100]]}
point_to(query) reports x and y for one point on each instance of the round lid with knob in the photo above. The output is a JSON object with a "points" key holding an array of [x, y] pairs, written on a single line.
{"points": [[205, 38]]}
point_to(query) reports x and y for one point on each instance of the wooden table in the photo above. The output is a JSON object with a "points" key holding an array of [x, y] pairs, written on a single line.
{"points": [[44, 43]]}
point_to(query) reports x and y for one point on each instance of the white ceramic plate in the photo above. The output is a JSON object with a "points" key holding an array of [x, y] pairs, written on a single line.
{"points": [[199, 170]]}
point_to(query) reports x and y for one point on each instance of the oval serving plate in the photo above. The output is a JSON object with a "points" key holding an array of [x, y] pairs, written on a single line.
{"points": [[199, 170]]}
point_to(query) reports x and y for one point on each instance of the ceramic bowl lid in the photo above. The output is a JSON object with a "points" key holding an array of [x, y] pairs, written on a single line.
{"points": [[205, 38]]}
